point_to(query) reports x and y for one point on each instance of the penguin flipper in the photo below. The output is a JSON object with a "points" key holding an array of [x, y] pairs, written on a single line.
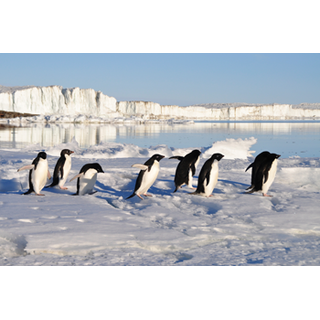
{"points": [[77, 176], [193, 169], [208, 177], [249, 166], [140, 166], [29, 167], [177, 157]]}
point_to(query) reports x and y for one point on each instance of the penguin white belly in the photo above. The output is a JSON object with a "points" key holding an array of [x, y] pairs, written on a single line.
{"points": [[149, 178], [271, 176], [213, 179], [190, 177], [190, 174], [66, 170], [197, 162], [87, 181], [39, 176]]}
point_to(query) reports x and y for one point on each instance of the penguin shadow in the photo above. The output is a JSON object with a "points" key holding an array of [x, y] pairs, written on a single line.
{"points": [[168, 191], [100, 187], [238, 185], [57, 190]]}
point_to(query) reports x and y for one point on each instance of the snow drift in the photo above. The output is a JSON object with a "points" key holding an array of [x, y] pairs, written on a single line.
{"points": [[230, 228]]}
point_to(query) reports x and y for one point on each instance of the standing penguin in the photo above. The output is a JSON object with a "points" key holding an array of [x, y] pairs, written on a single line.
{"points": [[87, 178], [263, 172], [186, 169], [147, 175], [38, 174], [208, 176], [255, 166], [62, 169]]}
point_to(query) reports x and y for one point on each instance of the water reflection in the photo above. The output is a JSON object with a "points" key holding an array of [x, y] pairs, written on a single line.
{"points": [[275, 135]]}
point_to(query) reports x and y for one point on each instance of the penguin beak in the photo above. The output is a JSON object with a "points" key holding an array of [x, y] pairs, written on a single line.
{"points": [[278, 156]]}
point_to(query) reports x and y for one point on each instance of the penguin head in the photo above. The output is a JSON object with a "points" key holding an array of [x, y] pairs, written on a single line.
{"points": [[157, 157], [217, 156], [275, 156], [97, 167], [196, 153], [42, 155], [66, 151]]}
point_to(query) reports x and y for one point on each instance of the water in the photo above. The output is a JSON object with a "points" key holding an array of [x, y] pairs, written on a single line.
{"points": [[293, 138]]}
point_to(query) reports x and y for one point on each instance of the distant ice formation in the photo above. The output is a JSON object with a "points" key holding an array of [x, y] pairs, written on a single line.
{"points": [[55, 104]]}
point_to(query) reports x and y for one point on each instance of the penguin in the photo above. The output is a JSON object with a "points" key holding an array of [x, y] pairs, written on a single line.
{"points": [[38, 174], [255, 166], [62, 169], [208, 176], [186, 169], [147, 175], [263, 172], [87, 178]]}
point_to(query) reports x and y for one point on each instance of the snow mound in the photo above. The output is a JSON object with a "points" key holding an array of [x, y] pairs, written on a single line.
{"points": [[12, 245], [232, 148]]}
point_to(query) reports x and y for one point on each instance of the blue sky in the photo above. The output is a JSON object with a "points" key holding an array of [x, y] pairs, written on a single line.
{"points": [[177, 78]]}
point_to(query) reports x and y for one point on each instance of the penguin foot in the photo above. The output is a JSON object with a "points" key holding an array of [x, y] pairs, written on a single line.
{"points": [[39, 194], [139, 196], [147, 195], [63, 188], [267, 195]]}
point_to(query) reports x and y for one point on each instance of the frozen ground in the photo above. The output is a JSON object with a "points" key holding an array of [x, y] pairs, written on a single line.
{"points": [[230, 229]]}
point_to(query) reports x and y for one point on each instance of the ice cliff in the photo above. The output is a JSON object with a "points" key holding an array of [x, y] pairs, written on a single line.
{"points": [[55, 101]]}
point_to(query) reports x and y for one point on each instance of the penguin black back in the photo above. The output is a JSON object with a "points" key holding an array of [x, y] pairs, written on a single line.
{"points": [[95, 166], [186, 163], [260, 158], [85, 168], [261, 174]]}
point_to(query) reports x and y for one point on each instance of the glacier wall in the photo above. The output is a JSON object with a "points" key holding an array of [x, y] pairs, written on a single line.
{"points": [[151, 110], [55, 101]]}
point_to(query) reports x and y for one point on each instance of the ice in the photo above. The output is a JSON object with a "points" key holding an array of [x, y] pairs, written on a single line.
{"points": [[230, 228], [88, 105]]}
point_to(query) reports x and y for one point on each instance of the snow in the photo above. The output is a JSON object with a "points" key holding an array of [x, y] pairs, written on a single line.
{"points": [[229, 229], [88, 105]]}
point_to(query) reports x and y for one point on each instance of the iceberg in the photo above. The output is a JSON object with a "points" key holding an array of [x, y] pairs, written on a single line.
{"points": [[88, 105]]}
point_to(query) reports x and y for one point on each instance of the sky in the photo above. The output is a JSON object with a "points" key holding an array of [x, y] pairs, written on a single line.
{"points": [[173, 78]]}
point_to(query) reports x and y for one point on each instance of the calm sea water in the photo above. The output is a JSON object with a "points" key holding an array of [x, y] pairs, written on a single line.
{"points": [[294, 138]]}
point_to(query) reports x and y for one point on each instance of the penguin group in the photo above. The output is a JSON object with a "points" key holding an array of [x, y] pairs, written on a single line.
{"points": [[264, 170], [39, 174], [263, 174]]}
